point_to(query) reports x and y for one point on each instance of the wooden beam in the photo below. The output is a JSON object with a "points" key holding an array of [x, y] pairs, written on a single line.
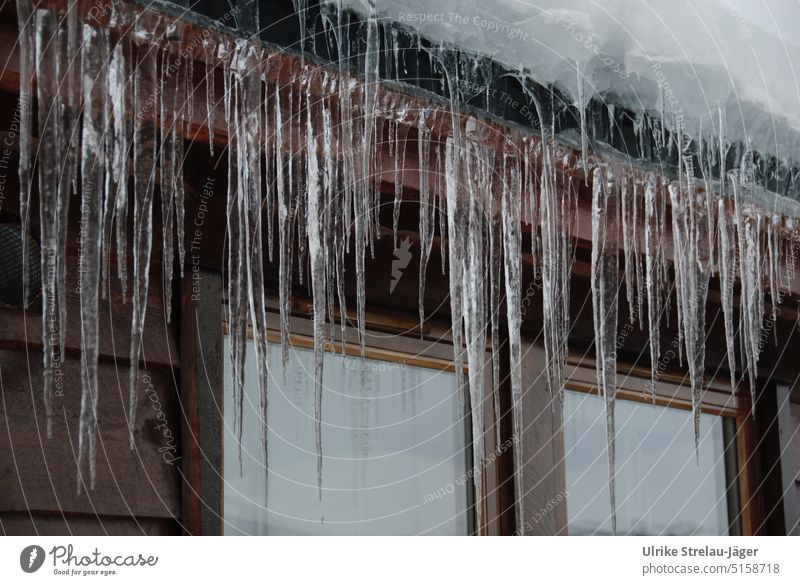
{"points": [[201, 393]]}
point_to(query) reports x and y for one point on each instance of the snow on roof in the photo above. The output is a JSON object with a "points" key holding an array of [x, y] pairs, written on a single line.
{"points": [[694, 57]]}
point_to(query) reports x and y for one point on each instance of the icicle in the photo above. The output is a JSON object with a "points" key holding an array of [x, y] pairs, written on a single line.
{"points": [[425, 211], [495, 281], [317, 254], [182, 113], [441, 206], [611, 121], [168, 114], [773, 265], [723, 152], [48, 165], [637, 255], [116, 180], [95, 60], [28, 35], [144, 144], [455, 247], [512, 250], [250, 197], [582, 110], [285, 217], [330, 199], [399, 169], [727, 273], [652, 278], [211, 104], [371, 79], [396, 53], [474, 314], [554, 213], [605, 216], [691, 285], [69, 135], [628, 235], [301, 10], [750, 283]]}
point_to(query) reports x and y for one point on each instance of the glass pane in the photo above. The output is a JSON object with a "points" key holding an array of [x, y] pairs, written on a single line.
{"points": [[661, 487], [394, 450]]}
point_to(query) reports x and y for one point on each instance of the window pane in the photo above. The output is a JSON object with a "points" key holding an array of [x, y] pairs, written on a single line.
{"points": [[394, 450], [660, 487]]}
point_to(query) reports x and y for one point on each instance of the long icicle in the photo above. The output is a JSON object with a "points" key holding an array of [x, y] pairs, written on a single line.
{"points": [[144, 147], [512, 253], [604, 284], [652, 279], [27, 59], [95, 61], [49, 124], [317, 255], [727, 275]]}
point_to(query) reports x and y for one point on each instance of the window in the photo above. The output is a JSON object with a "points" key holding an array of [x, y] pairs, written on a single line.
{"points": [[662, 486], [395, 449]]}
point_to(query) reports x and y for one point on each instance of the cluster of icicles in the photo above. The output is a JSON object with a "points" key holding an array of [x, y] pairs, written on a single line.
{"points": [[324, 195]]}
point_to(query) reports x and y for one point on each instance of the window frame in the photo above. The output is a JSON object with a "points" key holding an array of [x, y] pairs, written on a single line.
{"points": [[431, 347], [202, 387], [672, 390]]}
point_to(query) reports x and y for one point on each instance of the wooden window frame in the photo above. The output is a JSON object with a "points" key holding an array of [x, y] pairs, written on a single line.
{"points": [[672, 391], [434, 351], [202, 331]]}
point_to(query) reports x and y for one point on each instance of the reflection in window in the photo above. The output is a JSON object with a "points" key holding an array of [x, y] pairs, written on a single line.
{"points": [[394, 450], [661, 489]]}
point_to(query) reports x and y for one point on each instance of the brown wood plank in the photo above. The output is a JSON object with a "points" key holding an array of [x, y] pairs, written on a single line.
{"points": [[202, 388], [37, 473], [36, 523], [19, 329]]}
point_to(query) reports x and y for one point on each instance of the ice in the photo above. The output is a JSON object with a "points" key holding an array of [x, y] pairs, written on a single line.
{"points": [[750, 280], [727, 275], [209, 50], [168, 167], [301, 9], [27, 61], [426, 217], [250, 116], [604, 283], [691, 284], [144, 164], [495, 284], [121, 70], [581, 104], [116, 180], [363, 208], [316, 250], [556, 262], [69, 75], [285, 218], [628, 235], [315, 135], [512, 245], [181, 114], [652, 276], [93, 160], [455, 249], [399, 149], [713, 57], [48, 159], [474, 174]]}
